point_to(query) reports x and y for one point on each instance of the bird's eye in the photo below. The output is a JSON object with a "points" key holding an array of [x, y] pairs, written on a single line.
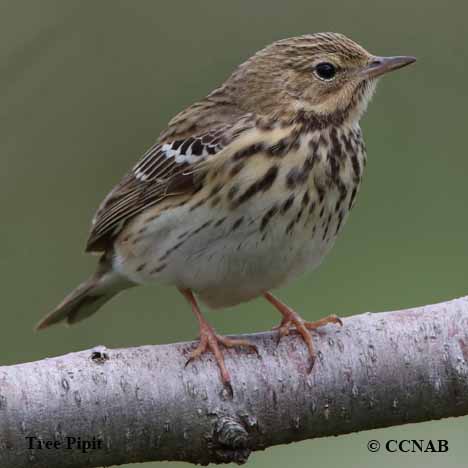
{"points": [[325, 71]]}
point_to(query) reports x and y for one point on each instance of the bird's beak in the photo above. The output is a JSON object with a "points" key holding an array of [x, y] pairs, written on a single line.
{"points": [[380, 65]]}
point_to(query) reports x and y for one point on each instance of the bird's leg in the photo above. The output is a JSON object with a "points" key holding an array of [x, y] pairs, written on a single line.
{"points": [[292, 318], [209, 339]]}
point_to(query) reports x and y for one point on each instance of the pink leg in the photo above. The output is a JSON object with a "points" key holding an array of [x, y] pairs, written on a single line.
{"points": [[209, 340], [291, 317]]}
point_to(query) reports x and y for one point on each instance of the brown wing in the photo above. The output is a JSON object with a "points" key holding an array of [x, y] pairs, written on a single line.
{"points": [[165, 169]]}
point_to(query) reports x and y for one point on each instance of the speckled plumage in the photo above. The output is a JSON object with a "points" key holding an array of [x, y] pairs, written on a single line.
{"points": [[238, 236], [245, 189]]}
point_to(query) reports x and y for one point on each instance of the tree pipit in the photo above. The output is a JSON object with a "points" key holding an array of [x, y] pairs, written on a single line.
{"points": [[243, 190]]}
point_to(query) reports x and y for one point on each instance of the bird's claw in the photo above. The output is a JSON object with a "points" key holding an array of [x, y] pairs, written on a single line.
{"points": [[209, 341]]}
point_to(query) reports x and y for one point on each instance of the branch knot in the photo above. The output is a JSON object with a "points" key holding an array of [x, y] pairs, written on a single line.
{"points": [[231, 440]]}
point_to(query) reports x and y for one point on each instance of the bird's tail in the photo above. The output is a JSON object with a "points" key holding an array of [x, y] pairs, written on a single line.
{"points": [[88, 297]]}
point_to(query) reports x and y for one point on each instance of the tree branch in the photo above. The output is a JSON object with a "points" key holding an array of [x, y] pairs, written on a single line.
{"points": [[377, 370]]}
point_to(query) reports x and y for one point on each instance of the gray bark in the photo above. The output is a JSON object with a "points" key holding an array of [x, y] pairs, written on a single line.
{"points": [[377, 370]]}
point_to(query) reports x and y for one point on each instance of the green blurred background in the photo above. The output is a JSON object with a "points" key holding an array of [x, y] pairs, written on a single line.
{"points": [[85, 88]]}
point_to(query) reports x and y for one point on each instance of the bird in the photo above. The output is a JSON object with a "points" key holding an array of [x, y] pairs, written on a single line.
{"points": [[243, 191]]}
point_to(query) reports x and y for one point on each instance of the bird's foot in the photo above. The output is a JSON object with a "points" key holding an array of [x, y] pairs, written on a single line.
{"points": [[292, 320], [209, 341]]}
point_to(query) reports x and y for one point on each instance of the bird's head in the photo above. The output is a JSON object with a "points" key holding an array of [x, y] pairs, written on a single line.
{"points": [[325, 75]]}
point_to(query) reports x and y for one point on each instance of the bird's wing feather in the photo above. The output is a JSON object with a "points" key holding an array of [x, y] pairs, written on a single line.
{"points": [[165, 169]]}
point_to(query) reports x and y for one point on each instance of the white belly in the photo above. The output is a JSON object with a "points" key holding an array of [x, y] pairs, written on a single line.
{"points": [[223, 263]]}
